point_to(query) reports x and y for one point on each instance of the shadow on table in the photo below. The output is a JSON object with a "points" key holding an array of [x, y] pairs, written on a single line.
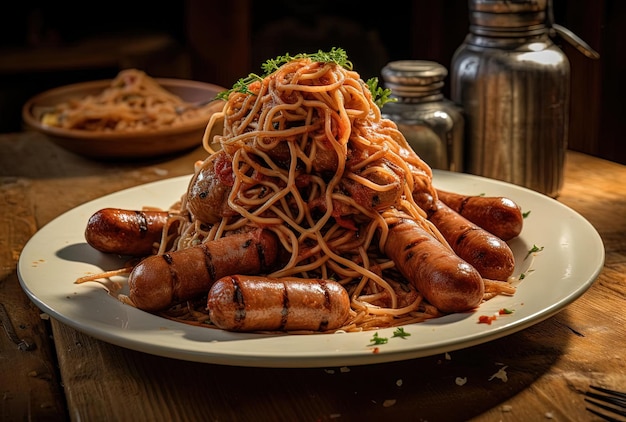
{"points": [[446, 387]]}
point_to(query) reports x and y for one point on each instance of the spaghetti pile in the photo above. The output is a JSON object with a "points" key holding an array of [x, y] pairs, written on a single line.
{"points": [[132, 102], [305, 153], [313, 160]]}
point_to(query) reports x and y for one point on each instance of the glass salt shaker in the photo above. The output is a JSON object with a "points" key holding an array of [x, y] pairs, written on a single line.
{"points": [[432, 125]]}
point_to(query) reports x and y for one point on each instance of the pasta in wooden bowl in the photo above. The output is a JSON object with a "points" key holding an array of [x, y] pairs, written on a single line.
{"points": [[131, 116]]}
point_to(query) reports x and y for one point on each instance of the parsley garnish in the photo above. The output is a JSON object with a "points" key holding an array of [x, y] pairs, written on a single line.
{"points": [[380, 95], [335, 55], [525, 214], [534, 249], [378, 340], [399, 332]]}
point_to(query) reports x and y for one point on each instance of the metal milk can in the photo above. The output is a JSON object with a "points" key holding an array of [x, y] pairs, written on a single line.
{"points": [[432, 124], [513, 84]]}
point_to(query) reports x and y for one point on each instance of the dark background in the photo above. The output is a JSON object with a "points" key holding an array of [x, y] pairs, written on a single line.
{"points": [[49, 44]]}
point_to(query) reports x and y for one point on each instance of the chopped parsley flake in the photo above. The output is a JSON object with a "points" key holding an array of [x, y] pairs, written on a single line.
{"points": [[378, 340], [399, 332], [380, 96], [532, 250]]}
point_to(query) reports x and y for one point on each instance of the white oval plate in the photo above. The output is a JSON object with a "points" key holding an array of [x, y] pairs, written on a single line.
{"points": [[571, 259]]}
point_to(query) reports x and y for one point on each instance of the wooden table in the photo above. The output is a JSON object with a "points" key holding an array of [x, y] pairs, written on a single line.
{"points": [[71, 376]]}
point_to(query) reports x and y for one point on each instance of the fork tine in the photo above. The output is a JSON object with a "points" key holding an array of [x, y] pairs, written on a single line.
{"points": [[614, 398], [607, 408], [607, 391], [616, 401], [603, 416]]}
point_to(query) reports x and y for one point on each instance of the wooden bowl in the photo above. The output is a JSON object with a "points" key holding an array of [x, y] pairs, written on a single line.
{"points": [[123, 145]]}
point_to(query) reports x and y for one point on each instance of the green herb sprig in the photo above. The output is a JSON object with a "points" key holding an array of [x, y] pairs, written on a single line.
{"points": [[533, 250], [380, 95], [399, 332], [376, 339], [335, 55]]}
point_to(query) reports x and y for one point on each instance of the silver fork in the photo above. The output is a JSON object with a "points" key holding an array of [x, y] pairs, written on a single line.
{"points": [[611, 401]]}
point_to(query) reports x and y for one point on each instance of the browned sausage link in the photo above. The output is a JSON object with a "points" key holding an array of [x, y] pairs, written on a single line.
{"points": [[489, 254], [444, 279], [207, 196], [249, 303], [369, 198], [498, 215], [125, 232], [162, 280]]}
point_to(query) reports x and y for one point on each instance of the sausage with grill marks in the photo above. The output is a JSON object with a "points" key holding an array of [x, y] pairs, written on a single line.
{"points": [[125, 232], [448, 282], [489, 254], [207, 194], [253, 303], [160, 281], [498, 215]]}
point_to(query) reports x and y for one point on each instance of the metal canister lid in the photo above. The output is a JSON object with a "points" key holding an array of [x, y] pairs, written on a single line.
{"points": [[413, 77], [508, 6], [490, 17], [508, 13]]}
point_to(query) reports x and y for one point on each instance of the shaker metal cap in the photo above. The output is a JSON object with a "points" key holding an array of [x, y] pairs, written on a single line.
{"points": [[409, 78], [414, 72], [508, 6], [528, 17], [507, 13]]}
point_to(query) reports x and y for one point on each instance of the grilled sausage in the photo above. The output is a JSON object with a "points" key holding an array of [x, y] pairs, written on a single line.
{"points": [[209, 189], [443, 278], [162, 280], [125, 232], [247, 303], [489, 254], [498, 215], [390, 178]]}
